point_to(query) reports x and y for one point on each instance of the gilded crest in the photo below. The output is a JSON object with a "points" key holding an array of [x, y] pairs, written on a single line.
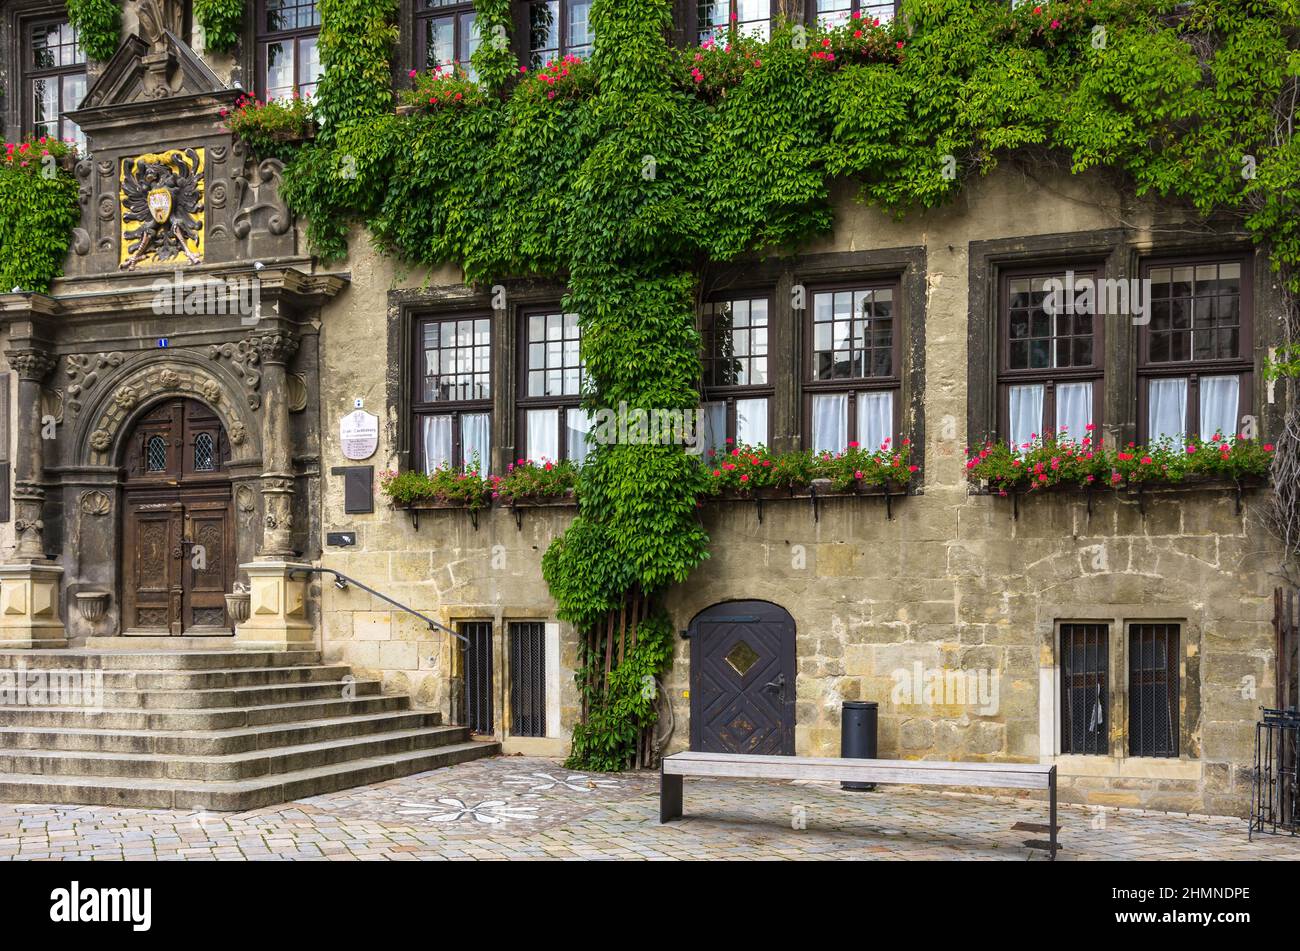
{"points": [[162, 208]]}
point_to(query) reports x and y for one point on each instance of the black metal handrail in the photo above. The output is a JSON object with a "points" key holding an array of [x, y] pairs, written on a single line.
{"points": [[342, 581]]}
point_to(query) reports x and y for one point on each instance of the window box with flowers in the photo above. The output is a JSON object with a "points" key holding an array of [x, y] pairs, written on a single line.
{"points": [[1218, 463], [756, 474], [275, 129]]}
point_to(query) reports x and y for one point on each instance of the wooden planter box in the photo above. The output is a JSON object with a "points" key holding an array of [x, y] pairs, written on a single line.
{"points": [[1132, 490], [815, 492]]}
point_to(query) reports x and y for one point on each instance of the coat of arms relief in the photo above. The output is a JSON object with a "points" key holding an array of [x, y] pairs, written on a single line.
{"points": [[162, 208]]}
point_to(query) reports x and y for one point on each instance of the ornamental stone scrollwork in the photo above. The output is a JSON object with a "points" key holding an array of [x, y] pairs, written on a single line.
{"points": [[96, 502], [244, 357], [83, 373], [100, 440], [31, 364], [248, 195], [212, 392]]}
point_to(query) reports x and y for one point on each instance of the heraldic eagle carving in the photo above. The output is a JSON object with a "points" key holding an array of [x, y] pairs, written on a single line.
{"points": [[162, 207]]}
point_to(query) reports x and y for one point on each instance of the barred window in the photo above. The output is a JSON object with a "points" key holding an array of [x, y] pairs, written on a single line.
{"points": [[1085, 696], [528, 678], [1153, 689]]}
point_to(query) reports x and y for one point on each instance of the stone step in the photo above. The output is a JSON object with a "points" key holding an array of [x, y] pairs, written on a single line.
{"points": [[198, 719], [234, 766], [154, 660], [224, 697], [212, 742], [227, 677], [237, 795]]}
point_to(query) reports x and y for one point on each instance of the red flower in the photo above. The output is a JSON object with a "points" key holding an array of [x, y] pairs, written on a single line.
{"points": [[1268, 447]]}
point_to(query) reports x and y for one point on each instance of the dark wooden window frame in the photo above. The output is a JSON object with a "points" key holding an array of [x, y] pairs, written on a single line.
{"points": [[1242, 365], [524, 402], [526, 40], [1050, 376], [29, 73], [421, 15], [810, 9], [264, 38], [420, 408], [692, 8], [852, 386], [729, 394]]}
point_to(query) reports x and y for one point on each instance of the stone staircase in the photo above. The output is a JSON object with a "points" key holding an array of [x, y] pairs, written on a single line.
{"points": [[216, 730]]}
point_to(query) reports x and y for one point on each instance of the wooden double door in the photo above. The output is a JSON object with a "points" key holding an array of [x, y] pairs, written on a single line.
{"points": [[178, 535]]}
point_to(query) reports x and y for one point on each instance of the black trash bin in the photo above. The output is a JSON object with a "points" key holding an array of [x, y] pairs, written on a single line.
{"points": [[858, 721]]}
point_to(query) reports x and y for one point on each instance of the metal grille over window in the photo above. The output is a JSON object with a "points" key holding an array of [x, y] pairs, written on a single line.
{"points": [[528, 679], [1085, 694], [478, 676], [1153, 690], [155, 454], [205, 456]]}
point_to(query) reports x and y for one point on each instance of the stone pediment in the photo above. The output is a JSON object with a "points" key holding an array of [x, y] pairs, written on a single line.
{"points": [[145, 75]]}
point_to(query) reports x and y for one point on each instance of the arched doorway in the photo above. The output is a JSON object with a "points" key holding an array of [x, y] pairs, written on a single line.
{"points": [[178, 531], [743, 679]]}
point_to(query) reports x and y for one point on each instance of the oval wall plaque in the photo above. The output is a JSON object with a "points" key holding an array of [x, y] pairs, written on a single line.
{"points": [[359, 435]]}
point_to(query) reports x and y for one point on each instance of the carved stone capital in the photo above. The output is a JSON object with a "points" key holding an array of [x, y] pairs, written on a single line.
{"points": [[31, 364], [276, 347]]}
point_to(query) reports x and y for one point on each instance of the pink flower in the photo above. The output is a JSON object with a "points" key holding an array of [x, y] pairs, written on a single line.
{"points": [[414, 73]]}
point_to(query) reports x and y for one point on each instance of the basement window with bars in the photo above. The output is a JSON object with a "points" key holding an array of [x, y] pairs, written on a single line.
{"points": [[1085, 695], [478, 676], [1153, 689], [528, 678]]}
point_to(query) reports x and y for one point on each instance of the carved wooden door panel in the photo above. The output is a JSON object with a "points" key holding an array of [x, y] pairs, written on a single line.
{"points": [[152, 584], [178, 531]]}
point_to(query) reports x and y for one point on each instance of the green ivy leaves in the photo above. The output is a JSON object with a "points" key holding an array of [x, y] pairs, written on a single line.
{"points": [[222, 22], [98, 24]]}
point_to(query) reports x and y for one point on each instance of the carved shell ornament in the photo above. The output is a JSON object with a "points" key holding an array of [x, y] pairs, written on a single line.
{"points": [[212, 392], [96, 503]]}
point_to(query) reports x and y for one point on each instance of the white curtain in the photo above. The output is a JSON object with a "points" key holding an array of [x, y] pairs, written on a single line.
{"points": [[1219, 395], [543, 437], [578, 424], [712, 430], [1073, 410], [436, 440], [875, 419], [1166, 409], [476, 440], [751, 422], [830, 422], [1025, 413]]}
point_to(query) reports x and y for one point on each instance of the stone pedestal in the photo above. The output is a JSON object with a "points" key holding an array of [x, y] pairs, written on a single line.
{"points": [[29, 607], [277, 617]]}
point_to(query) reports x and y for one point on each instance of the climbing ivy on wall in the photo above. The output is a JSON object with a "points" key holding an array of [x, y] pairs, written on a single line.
{"points": [[625, 176], [222, 22], [98, 24], [38, 209]]}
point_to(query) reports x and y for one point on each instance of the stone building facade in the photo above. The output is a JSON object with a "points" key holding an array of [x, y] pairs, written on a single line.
{"points": [[948, 607]]}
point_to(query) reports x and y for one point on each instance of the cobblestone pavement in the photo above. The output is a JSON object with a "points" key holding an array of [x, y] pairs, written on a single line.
{"points": [[525, 808]]}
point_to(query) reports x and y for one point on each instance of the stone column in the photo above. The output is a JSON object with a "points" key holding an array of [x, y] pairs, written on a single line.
{"points": [[278, 597], [276, 348], [29, 583]]}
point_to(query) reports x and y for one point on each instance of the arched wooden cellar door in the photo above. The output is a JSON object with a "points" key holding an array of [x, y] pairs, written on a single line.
{"points": [[178, 546]]}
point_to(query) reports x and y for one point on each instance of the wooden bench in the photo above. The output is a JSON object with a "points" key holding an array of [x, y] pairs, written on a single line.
{"points": [[910, 772]]}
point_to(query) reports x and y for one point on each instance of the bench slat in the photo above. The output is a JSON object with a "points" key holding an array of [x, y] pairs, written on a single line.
{"points": [[829, 769]]}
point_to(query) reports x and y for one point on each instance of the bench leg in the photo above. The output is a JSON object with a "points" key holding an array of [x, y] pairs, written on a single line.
{"points": [[1051, 815], [670, 796]]}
